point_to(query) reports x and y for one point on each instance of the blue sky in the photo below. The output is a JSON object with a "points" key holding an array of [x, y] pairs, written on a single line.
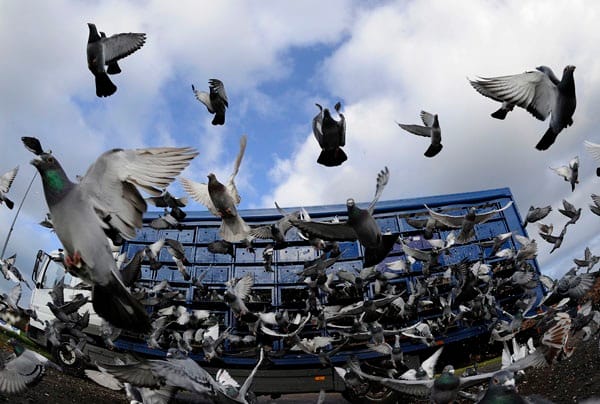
{"points": [[385, 60]]}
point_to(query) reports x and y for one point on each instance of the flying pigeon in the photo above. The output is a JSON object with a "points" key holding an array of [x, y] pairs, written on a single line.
{"points": [[5, 182], [594, 150], [431, 130], [107, 197], [534, 214], [595, 208], [539, 92], [221, 200], [215, 101], [570, 211], [555, 240], [331, 135], [103, 51], [570, 173], [467, 221], [360, 225], [275, 231]]}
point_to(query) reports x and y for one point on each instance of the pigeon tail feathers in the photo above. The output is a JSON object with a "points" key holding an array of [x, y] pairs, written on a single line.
{"points": [[117, 306], [374, 255], [433, 150], [233, 229], [547, 140], [104, 87], [332, 158], [501, 113], [219, 119]]}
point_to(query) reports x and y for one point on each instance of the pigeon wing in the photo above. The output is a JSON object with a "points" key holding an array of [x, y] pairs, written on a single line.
{"points": [[416, 129], [448, 220], [327, 231], [533, 91], [121, 45], [199, 192], [204, 98], [593, 149], [110, 182], [484, 217], [236, 167], [217, 86], [7, 179], [317, 126], [243, 286], [382, 179], [427, 118]]}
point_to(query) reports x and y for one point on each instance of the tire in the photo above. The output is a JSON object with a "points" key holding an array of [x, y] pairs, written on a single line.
{"points": [[65, 358], [375, 394]]}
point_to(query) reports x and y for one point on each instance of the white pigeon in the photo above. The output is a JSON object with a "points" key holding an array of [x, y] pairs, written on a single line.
{"points": [[570, 172]]}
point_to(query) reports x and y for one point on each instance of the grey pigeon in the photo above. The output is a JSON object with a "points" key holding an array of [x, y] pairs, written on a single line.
{"points": [[570, 172], [431, 130], [6, 181], [570, 211], [216, 101], [595, 208], [22, 369], [275, 231], [11, 272], [534, 214], [221, 200], [177, 251], [540, 93], [103, 51], [107, 197], [466, 222], [360, 225], [331, 136], [555, 240], [589, 260]]}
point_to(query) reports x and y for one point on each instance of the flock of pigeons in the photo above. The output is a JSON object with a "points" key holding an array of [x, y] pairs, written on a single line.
{"points": [[105, 207]]}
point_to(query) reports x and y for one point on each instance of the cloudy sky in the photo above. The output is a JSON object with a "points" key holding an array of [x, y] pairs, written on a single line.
{"points": [[384, 60]]}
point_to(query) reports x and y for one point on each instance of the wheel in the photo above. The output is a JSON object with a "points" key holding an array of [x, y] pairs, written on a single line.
{"points": [[65, 357], [373, 393]]}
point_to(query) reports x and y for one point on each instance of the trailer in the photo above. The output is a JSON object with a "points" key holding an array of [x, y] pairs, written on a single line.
{"points": [[290, 371]]}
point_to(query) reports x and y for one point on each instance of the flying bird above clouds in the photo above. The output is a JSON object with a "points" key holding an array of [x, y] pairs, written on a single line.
{"points": [[360, 225], [6, 181], [221, 200], [331, 135], [216, 101], [107, 197], [431, 130], [539, 92], [103, 51], [570, 172]]}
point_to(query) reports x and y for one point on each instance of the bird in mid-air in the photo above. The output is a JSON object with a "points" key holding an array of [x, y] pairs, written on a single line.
{"points": [[6, 181], [431, 130], [107, 200], [216, 101], [331, 135], [540, 92], [570, 172], [104, 52]]}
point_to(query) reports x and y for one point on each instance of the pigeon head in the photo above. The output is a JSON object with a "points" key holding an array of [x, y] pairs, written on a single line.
{"points": [[55, 181], [350, 203], [504, 378]]}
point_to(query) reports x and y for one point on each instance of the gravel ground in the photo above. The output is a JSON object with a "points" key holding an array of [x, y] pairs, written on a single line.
{"points": [[569, 381]]}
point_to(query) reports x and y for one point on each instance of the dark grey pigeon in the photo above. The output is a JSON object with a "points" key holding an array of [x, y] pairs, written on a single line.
{"points": [[539, 92], [360, 225], [431, 130], [275, 231], [216, 101], [103, 51], [555, 240], [6, 181], [570, 211], [107, 195], [534, 214], [331, 135], [595, 208]]}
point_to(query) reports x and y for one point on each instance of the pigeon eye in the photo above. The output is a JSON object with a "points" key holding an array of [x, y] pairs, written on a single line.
{"points": [[51, 160]]}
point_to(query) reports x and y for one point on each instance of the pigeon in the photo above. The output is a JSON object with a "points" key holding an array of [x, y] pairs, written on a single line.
{"points": [[467, 221], [10, 271], [570, 173], [275, 231], [534, 214], [216, 101], [177, 251], [428, 225], [555, 240], [595, 208], [431, 130], [570, 211], [221, 200], [540, 93], [103, 51], [589, 260], [331, 136], [107, 197], [221, 247], [360, 225], [5, 182], [166, 221], [22, 369]]}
